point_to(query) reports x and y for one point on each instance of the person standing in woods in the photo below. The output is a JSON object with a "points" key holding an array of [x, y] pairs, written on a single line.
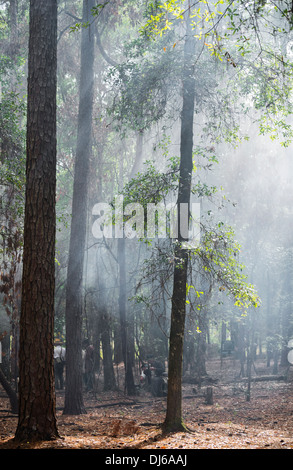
{"points": [[59, 364], [37, 413]]}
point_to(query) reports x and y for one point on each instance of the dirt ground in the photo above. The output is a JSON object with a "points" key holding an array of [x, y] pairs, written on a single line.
{"points": [[115, 421]]}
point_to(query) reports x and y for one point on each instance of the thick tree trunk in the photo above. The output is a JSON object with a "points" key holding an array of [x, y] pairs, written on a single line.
{"points": [[37, 419], [73, 392], [173, 421]]}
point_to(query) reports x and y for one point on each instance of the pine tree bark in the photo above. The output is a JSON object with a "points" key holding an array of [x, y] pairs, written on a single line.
{"points": [[37, 419], [73, 392], [173, 420]]}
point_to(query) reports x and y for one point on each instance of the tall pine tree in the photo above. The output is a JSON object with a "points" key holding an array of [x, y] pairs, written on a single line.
{"points": [[37, 419]]}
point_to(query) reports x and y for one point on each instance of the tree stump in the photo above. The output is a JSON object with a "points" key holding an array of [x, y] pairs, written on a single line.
{"points": [[209, 396]]}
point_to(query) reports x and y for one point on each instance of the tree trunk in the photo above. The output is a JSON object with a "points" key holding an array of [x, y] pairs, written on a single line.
{"points": [[37, 419], [173, 421], [201, 347], [109, 376], [73, 315], [209, 396], [129, 380], [249, 361], [118, 356], [13, 4], [128, 358]]}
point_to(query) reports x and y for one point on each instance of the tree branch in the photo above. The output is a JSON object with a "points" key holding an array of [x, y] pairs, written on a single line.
{"points": [[103, 52], [72, 16]]}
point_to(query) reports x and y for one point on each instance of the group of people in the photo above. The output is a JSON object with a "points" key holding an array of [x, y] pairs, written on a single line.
{"points": [[87, 364], [153, 377]]}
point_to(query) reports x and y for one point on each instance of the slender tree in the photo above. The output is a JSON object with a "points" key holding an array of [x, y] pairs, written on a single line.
{"points": [[173, 420], [73, 315], [109, 376], [129, 380], [37, 419]]}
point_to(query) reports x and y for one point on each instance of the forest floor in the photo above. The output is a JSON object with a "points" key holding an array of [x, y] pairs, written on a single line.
{"points": [[115, 421]]}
